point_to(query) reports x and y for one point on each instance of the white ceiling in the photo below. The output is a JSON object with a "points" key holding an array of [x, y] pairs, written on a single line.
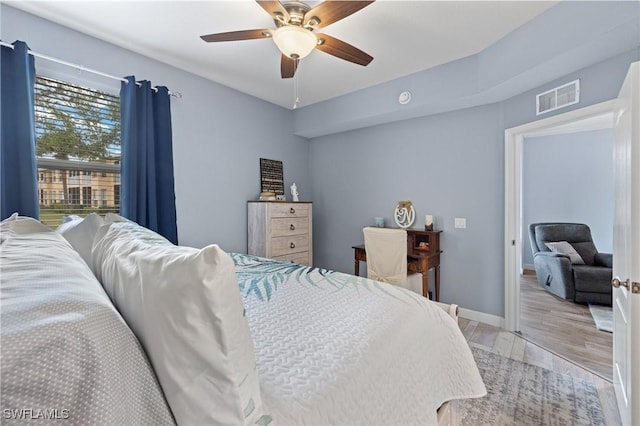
{"points": [[403, 37]]}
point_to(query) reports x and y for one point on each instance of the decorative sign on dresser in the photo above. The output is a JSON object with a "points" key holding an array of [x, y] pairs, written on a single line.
{"points": [[281, 230], [271, 176]]}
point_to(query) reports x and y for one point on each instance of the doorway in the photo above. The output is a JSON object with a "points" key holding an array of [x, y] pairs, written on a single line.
{"points": [[568, 178], [598, 116]]}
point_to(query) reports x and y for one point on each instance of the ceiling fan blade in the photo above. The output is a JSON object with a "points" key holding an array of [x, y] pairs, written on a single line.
{"points": [[329, 12], [275, 9], [237, 35], [288, 67], [342, 50]]}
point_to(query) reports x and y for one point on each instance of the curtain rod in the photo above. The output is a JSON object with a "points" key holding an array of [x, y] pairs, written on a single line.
{"points": [[83, 68]]}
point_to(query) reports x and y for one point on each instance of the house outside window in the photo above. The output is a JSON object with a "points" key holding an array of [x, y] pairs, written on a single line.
{"points": [[77, 150]]}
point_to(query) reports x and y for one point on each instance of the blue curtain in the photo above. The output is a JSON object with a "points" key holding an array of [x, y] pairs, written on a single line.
{"points": [[147, 192], [18, 173]]}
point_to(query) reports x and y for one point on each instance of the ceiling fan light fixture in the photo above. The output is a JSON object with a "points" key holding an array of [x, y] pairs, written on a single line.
{"points": [[294, 42]]}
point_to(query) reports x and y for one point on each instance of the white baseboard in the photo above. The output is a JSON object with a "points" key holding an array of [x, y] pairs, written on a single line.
{"points": [[490, 319]]}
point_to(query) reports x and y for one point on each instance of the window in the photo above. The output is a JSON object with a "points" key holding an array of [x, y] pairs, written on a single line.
{"points": [[116, 193], [86, 196], [74, 195], [78, 150]]}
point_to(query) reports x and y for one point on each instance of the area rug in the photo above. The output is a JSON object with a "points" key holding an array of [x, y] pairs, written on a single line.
{"points": [[525, 394], [603, 317]]}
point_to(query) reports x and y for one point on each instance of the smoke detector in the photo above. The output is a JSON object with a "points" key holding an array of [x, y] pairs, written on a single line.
{"points": [[404, 97]]}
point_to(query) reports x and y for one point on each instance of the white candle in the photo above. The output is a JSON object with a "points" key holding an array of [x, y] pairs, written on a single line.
{"points": [[428, 220]]}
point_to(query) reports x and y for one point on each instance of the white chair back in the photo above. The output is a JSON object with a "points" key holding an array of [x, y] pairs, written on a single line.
{"points": [[386, 254]]}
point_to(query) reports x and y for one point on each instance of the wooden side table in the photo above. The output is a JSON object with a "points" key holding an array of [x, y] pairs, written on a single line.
{"points": [[423, 254]]}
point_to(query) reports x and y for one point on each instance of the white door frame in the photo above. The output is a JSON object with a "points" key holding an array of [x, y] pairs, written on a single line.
{"points": [[513, 139]]}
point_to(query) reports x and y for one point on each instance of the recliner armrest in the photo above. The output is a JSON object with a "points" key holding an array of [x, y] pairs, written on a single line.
{"points": [[559, 262], [555, 273], [604, 259], [551, 254]]}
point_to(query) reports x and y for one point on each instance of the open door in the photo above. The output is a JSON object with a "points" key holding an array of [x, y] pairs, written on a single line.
{"points": [[626, 249]]}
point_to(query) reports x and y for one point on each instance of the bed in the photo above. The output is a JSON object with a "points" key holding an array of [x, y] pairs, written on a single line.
{"points": [[334, 348], [325, 347]]}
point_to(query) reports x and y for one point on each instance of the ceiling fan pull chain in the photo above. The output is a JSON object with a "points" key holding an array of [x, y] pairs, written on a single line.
{"points": [[296, 89]]}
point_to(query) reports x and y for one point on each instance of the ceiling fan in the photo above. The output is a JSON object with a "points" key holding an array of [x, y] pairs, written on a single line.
{"points": [[295, 22]]}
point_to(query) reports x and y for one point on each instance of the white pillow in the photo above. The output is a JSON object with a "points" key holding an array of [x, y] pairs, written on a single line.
{"points": [[81, 232], [564, 247], [24, 224], [114, 217], [184, 305], [71, 217]]}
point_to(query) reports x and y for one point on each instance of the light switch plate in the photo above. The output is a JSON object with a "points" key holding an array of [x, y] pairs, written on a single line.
{"points": [[460, 222]]}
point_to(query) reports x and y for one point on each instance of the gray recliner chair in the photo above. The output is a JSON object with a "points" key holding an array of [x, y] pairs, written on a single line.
{"points": [[583, 283]]}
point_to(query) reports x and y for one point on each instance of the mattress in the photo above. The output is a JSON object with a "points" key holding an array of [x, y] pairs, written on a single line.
{"points": [[333, 348]]}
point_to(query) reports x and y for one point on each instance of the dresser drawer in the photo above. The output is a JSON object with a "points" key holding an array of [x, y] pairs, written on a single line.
{"points": [[289, 210], [281, 226], [287, 245], [300, 258]]}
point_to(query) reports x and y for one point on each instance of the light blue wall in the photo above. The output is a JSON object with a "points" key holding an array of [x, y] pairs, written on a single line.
{"points": [[569, 178], [219, 134], [599, 82], [450, 165]]}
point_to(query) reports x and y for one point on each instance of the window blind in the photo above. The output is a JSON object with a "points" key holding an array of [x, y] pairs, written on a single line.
{"points": [[77, 150]]}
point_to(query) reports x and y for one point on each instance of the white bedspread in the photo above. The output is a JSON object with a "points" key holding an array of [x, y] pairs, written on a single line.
{"points": [[337, 349]]}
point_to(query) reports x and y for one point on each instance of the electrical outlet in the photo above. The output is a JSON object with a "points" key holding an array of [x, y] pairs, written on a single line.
{"points": [[460, 222]]}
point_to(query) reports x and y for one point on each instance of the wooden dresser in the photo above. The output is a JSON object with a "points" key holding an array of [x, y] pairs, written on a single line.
{"points": [[281, 230]]}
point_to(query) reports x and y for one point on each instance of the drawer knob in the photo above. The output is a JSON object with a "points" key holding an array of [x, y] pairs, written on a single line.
{"points": [[292, 227], [292, 245], [292, 210]]}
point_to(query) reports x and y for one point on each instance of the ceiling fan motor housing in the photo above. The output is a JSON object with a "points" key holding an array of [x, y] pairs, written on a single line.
{"points": [[296, 10]]}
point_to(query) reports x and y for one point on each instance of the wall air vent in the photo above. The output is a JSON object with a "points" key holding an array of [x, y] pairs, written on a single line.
{"points": [[560, 97]]}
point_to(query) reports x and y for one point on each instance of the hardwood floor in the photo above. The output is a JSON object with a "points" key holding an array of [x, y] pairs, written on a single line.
{"points": [[565, 328], [513, 346]]}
